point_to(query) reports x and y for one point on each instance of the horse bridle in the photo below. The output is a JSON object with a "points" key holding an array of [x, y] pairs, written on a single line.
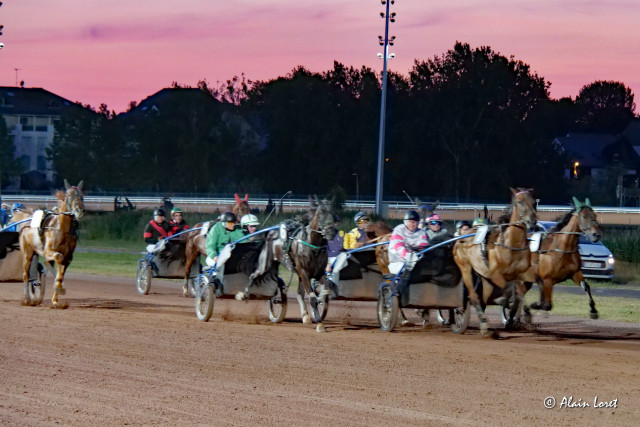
{"points": [[520, 223]]}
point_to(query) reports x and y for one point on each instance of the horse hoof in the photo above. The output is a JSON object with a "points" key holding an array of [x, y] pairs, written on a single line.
{"points": [[321, 328], [185, 291], [240, 296], [405, 322], [594, 315], [426, 324], [484, 330], [306, 319]]}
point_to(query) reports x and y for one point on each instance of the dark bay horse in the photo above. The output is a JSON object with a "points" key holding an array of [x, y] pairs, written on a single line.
{"points": [[55, 238], [558, 258], [307, 252], [507, 256]]}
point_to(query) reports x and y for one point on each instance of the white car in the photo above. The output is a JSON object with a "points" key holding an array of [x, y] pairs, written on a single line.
{"points": [[597, 260]]}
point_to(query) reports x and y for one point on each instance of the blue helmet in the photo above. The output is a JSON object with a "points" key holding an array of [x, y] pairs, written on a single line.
{"points": [[17, 206], [360, 216]]}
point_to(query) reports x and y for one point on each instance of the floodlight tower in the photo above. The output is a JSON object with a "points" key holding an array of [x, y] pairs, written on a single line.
{"points": [[388, 17]]}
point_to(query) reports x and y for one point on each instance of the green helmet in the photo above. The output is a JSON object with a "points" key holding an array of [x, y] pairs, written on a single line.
{"points": [[176, 210], [479, 221]]}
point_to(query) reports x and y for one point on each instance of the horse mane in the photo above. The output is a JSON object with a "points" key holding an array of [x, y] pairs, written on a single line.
{"points": [[506, 216], [563, 221]]}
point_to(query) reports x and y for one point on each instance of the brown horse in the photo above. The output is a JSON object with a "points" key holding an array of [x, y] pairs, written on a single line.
{"points": [[507, 252], [307, 253], [196, 242], [55, 238], [558, 258], [195, 246], [241, 208]]}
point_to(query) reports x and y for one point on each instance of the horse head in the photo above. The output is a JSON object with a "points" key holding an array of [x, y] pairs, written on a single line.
{"points": [[425, 211], [74, 199], [325, 220], [524, 206], [587, 220], [241, 208]]}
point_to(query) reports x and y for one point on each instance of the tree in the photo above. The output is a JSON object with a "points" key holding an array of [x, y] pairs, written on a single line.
{"points": [[470, 108], [10, 167], [605, 106]]}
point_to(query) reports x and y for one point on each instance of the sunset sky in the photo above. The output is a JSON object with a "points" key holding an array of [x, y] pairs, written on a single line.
{"points": [[118, 51]]}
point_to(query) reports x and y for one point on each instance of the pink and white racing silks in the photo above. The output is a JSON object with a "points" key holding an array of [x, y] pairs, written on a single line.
{"points": [[403, 242]]}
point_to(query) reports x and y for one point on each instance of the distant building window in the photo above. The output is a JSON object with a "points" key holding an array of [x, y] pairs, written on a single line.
{"points": [[41, 128], [27, 128], [24, 120], [42, 163]]}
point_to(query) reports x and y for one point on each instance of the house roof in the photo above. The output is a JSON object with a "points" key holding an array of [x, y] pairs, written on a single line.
{"points": [[587, 148], [168, 96], [32, 101]]}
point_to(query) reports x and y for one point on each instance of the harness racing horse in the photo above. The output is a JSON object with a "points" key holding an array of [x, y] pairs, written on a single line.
{"points": [[55, 239], [241, 208], [308, 254], [507, 257], [196, 245], [558, 258], [197, 242]]}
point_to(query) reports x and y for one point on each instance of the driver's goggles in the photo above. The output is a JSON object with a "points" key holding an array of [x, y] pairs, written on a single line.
{"points": [[435, 223], [231, 224]]}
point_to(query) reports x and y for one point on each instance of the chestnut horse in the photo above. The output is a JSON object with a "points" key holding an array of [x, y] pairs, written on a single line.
{"points": [[308, 253], [55, 239], [507, 252], [197, 242], [558, 258]]}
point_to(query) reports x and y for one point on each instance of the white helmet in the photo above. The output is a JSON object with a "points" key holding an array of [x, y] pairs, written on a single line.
{"points": [[249, 220]]}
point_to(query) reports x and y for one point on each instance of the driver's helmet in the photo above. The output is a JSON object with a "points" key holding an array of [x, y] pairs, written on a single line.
{"points": [[434, 218], [461, 224], [412, 215], [17, 206], [361, 217], [479, 221], [228, 217], [175, 210], [249, 220], [5, 206], [158, 212]]}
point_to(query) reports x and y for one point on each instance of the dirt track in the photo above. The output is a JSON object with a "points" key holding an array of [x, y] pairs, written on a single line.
{"points": [[115, 357]]}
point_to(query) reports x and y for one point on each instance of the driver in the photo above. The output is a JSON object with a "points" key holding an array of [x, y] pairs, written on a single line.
{"points": [[357, 237], [225, 231], [177, 223], [406, 239], [157, 228]]}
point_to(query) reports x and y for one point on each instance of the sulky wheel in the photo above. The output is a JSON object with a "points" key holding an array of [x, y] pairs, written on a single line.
{"points": [[278, 304], [205, 298], [444, 316], [143, 277], [388, 308], [461, 317]]}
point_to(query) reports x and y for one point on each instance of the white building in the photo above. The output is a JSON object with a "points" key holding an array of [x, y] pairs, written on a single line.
{"points": [[31, 115]]}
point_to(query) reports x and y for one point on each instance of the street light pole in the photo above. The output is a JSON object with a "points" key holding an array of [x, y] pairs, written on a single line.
{"points": [[383, 104], [357, 190]]}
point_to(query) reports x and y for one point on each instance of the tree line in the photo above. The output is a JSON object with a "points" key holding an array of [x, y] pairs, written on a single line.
{"points": [[463, 126]]}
